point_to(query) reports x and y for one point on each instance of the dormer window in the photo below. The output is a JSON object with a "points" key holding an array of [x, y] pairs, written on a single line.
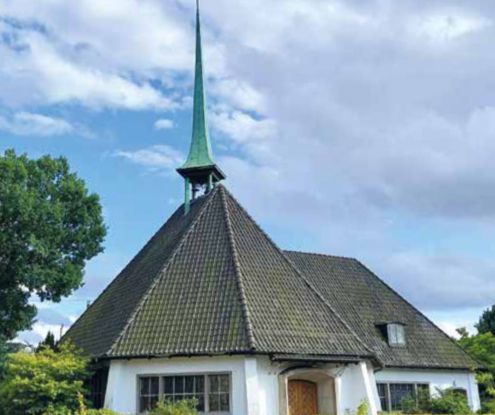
{"points": [[396, 334]]}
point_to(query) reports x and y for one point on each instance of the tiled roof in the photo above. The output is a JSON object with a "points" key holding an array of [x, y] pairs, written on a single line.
{"points": [[212, 282], [365, 301]]}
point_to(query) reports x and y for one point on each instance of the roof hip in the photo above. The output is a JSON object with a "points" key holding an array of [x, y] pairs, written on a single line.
{"points": [[164, 268], [238, 273]]}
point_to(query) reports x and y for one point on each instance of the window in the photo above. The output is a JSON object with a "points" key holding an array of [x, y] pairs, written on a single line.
{"points": [[396, 334], [399, 391], [149, 393], [392, 394], [218, 393], [211, 391], [177, 388], [383, 395]]}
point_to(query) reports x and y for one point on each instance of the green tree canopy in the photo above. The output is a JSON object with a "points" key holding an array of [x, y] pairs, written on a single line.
{"points": [[44, 382], [486, 323], [50, 225], [482, 348], [49, 342]]}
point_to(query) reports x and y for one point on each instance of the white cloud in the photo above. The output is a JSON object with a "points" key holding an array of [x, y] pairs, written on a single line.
{"points": [[39, 332], [346, 118], [242, 127], [90, 54], [31, 124], [164, 124], [158, 158], [442, 27]]}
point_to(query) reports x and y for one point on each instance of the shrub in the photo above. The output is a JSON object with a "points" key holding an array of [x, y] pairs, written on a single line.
{"points": [[450, 401], [363, 408], [185, 407], [420, 404], [83, 410], [488, 407], [47, 382]]}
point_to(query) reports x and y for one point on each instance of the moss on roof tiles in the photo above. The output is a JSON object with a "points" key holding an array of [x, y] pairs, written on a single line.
{"points": [[212, 282], [365, 301]]}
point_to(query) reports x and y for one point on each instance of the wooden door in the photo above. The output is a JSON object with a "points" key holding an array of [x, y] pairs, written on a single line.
{"points": [[303, 397]]}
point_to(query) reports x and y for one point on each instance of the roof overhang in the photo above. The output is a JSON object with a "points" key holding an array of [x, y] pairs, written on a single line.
{"points": [[200, 174]]}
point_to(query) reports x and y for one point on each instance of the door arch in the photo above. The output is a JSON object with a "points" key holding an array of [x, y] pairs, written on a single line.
{"points": [[303, 397]]}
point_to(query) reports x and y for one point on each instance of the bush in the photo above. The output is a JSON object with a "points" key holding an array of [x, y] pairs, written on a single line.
{"points": [[488, 407], [450, 401], [417, 405], [185, 407], [47, 382]]}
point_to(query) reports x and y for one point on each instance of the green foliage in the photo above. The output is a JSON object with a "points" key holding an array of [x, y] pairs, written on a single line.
{"points": [[83, 410], [49, 227], [488, 407], [409, 405], [49, 342], [5, 349], [419, 404], [450, 402], [363, 408], [185, 407], [47, 382], [486, 323], [482, 348]]}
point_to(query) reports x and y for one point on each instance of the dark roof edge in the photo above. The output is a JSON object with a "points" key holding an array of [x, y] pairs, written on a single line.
{"points": [[429, 368], [417, 311], [346, 358], [186, 233], [320, 296], [320, 254], [238, 272]]}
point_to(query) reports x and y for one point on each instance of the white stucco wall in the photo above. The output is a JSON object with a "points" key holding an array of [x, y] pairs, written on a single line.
{"points": [[357, 383], [122, 388], [259, 389], [353, 384], [436, 379]]}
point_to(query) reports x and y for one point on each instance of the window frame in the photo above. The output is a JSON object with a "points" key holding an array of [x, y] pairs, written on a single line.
{"points": [[393, 337], [205, 375], [388, 397]]}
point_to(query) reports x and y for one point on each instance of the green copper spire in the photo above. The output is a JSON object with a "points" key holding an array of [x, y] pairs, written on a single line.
{"points": [[200, 152], [199, 170]]}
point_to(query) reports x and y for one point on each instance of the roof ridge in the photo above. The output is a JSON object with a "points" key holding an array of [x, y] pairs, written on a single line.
{"points": [[416, 310], [300, 274], [161, 271], [237, 269], [319, 254]]}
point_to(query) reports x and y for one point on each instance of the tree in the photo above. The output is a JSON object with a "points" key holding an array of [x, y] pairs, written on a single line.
{"points": [[44, 382], [481, 347], [49, 342], [49, 227], [486, 323]]}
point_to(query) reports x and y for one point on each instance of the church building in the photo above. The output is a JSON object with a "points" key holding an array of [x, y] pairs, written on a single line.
{"points": [[211, 308]]}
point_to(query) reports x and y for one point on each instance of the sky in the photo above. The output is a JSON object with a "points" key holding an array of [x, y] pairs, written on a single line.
{"points": [[362, 128]]}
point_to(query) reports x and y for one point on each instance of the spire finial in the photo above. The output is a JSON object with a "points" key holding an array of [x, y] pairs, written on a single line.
{"points": [[199, 169]]}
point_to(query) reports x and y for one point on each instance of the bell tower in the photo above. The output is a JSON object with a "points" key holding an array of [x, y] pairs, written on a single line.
{"points": [[199, 170]]}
